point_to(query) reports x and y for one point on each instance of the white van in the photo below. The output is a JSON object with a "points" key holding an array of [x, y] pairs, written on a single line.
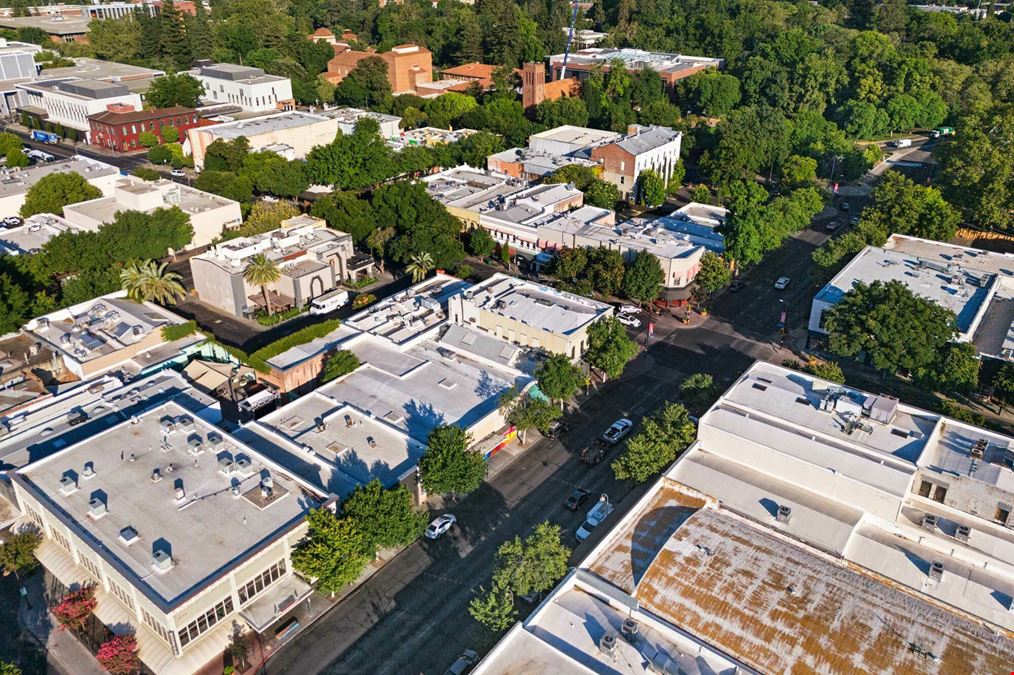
{"points": [[39, 156], [329, 302], [901, 143]]}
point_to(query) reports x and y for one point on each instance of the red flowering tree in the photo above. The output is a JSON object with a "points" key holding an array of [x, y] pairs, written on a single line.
{"points": [[118, 655], [73, 610]]}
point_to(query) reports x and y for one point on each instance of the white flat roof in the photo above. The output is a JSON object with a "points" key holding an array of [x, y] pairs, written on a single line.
{"points": [[267, 124], [16, 181], [207, 532], [33, 234], [573, 135]]}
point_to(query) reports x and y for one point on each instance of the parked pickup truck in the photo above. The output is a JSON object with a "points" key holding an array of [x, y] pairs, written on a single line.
{"points": [[596, 515]]}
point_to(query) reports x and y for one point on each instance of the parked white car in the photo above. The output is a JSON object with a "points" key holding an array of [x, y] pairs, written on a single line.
{"points": [[629, 309], [440, 525], [596, 515], [782, 283], [617, 431], [628, 320], [178, 173]]}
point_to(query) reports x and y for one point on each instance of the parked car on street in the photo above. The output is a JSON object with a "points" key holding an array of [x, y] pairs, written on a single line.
{"points": [[901, 143], [12, 221], [832, 226], [576, 499], [844, 206], [440, 525], [736, 286], [854, 220], [463, 664], [629, 320], [178, 173], [556, 429], [629, 309], [596, 515], [782, 283], [617, 432]]}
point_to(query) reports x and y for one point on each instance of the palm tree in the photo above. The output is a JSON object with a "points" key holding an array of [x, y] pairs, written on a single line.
{"points": [[420, 266], [262, 271], [149, 281]]}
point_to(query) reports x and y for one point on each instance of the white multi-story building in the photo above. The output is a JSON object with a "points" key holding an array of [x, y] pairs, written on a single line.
{"points": [[249, 88], [810, 527], [976, 285], [642, 148], [17, 64], [15, 183], [209, 213], [298, 131], [185, 532], [69, 102]]}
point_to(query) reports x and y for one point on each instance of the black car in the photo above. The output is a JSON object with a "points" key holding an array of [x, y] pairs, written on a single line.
{"points": [[576, 499], [735, 286]]}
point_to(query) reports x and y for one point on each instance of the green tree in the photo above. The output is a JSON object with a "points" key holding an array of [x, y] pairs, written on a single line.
{"points": [[798, 171], [605, 270], [712, 276], [480, 242], [202, 38], [526, 412], [262, 271], [55, 191], [115, 39], [160, 154], [1003, 384], [913, 209], [563, 111], [338, 364], [15, 159], [147, 173], [609, 347], [7, 668], [535, 564], [494, 608], [956, 369], [334, 552], [173, 43], [894, 327], [559, 379], [386, 517], [174, 89], [148, 281], [345, 212], [226, 184], [825, 370], [17, 552], [222, 155], [170, 135], [419, 266], [8, 142], [651, 188], [353, 161], [643, 278], [711, 93], [447, 466], [148, 139], [698, 391], [367, 86], [662, 437], [377, 241], [445, 110], [978, 168], [266, 216]]}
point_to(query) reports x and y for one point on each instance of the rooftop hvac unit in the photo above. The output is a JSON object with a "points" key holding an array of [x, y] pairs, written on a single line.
{"points": [[89, 470], [962, 533], [243, 464], [267, 482], [185, 423], [96, 507], [629, 629], [181, 494], [979, 448], [225, 464], [936, 571], [196, 444], [156, 475], [607, 643], [215, 440], [167, 424], [68, 484], [235, 490], [929, 522], [128, 535], [161, 561], [784, 514]]}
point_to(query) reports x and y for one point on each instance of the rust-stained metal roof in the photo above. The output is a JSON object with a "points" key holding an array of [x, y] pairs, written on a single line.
{"points": [[781, 608]]}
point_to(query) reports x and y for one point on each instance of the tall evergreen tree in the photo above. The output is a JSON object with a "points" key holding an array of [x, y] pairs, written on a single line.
{"points": [[174, 45], [149, 32], [202, 39]]}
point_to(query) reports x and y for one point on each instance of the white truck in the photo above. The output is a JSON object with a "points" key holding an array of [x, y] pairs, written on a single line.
{"points": [[329, 302], [901, 143], [596, 515]]}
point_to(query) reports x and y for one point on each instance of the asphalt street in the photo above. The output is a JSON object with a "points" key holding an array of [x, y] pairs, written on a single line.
{"points": [[412, 615]]}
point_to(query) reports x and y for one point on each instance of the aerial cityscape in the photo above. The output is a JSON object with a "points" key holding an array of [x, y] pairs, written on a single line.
{"points": [[506, 337]]}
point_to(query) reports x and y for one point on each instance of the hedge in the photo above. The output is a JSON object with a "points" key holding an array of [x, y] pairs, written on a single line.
{"points": [[300, 337], [177, 331]]}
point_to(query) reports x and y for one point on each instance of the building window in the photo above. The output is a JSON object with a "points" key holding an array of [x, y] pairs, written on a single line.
{"points": [[155, 625], [61, 540], [122, 594], [201, 624], [1002, 514], [36, 518], [261, 581], [925, 487], [939, 493], [92, 568]]}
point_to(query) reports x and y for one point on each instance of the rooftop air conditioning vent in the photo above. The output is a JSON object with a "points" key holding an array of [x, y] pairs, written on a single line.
{"points": [[607, 643], [156, 475], [161, 561], [96, 507], [629, 629], [784, 514], [936, 571], [196, 444], [215, 440], [185, 423], [167, 424], [128, 535], [243, 464], [68, 484], [225, 464], [961, 534], [235, 490], [89, 470], [929, 522]]}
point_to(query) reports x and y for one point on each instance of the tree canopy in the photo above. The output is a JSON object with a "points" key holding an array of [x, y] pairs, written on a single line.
{"points": [[656, 445], [57, 190], [385, 517], [609, 347], [334, 552], [447, 466]]}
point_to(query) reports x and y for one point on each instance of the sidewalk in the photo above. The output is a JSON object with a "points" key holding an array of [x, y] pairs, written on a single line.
{"points": [[65, 653]]}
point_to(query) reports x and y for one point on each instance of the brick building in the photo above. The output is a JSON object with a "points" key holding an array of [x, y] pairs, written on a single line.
{"points": [[119, 128], [407, 66]]}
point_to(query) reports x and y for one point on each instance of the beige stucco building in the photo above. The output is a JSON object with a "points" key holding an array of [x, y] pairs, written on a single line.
{"points": [[311, 258], [528, 314], [293, 132]]}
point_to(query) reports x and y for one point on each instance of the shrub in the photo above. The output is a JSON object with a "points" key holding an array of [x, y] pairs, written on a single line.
{"points": [[341, 362], [178, 331], [363, 300], [265, 319], [76, 606], [147, 173], [300, 337]]}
